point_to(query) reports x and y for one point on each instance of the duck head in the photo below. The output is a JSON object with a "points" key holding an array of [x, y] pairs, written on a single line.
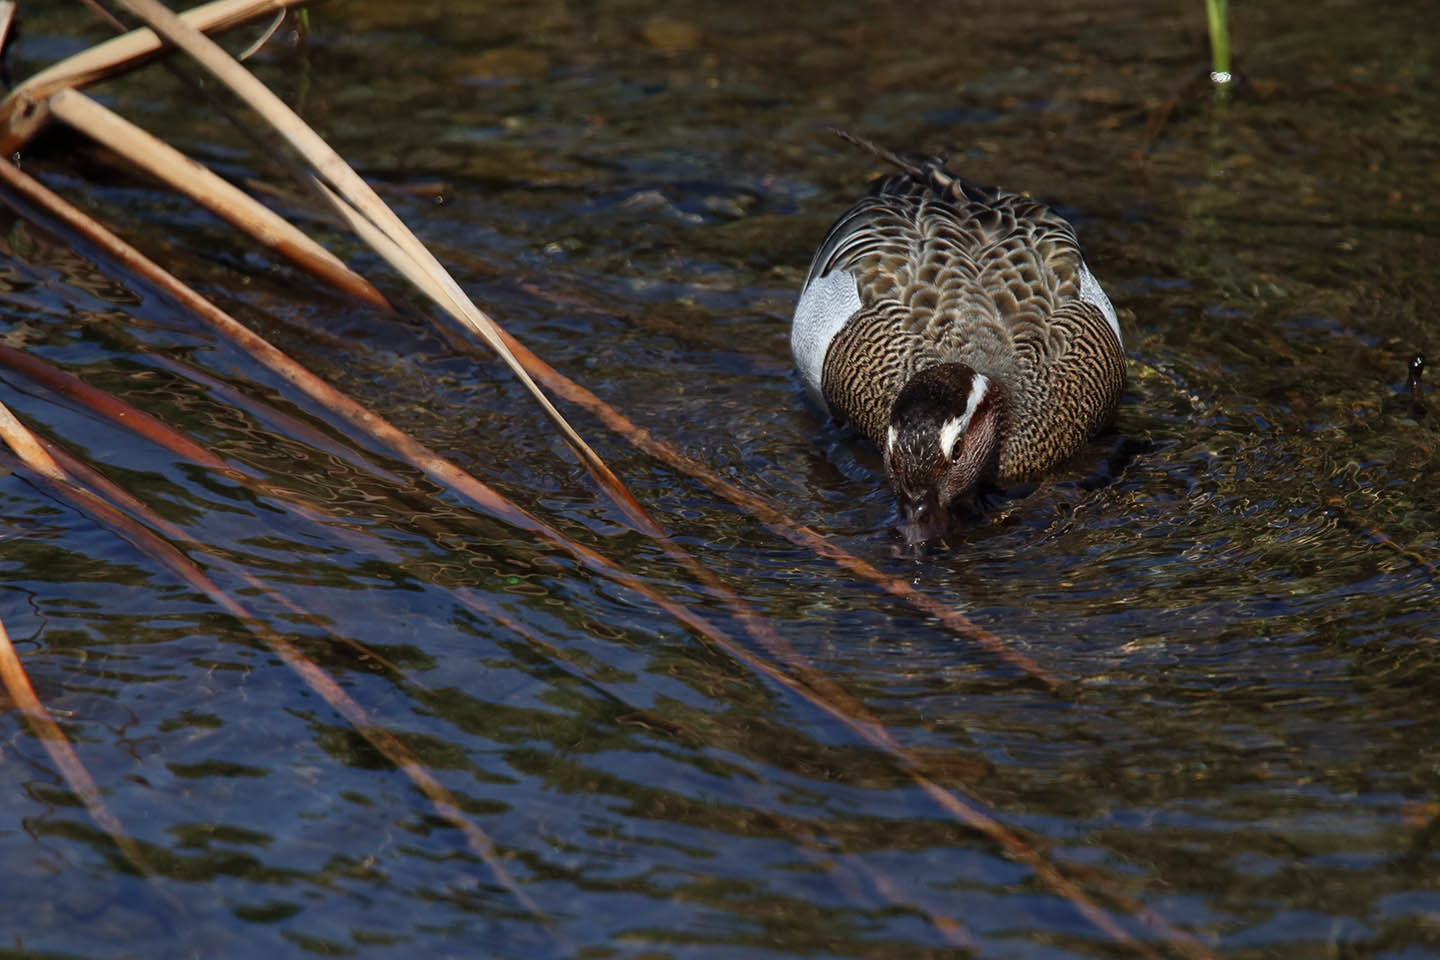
{"points": [[944, 437]]}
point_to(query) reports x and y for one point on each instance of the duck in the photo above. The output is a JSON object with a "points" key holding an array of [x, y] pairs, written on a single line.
{"points": [[958, 329]]}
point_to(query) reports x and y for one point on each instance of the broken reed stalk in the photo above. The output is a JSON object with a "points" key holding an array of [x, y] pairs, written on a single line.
{"points": [[27, 446], [24, 110], [53, 739], [211, 192], [348, 184], [45, 472], [264, 38]]}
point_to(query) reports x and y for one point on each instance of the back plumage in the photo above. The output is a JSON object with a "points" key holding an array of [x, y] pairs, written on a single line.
{"points": [[930, 270]]}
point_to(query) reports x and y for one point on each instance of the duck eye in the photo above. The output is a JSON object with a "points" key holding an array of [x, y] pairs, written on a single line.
{"points": [[951, 448], [952, 433]]}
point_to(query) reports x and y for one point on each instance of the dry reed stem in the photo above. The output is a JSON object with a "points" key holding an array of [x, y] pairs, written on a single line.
{"points": [[333, 169], [27, 446], [7, 15], [23, 111], [272, 417], [264, 38], [211, 192], [108, 516], [110, 407], [53, 739]]}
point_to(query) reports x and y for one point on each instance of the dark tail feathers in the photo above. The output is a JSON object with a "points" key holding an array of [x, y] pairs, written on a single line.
{"points": [[916, 165], [926, 169]]}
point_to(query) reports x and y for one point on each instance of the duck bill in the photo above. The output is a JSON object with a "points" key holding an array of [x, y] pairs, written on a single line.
{"points": [[923, 522]]}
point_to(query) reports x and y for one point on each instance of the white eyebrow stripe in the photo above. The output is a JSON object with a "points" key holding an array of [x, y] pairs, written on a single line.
{"points": [[952, 430]]}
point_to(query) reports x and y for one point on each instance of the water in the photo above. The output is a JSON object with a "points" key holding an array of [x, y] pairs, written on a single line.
{"points": [[1236, 588]]}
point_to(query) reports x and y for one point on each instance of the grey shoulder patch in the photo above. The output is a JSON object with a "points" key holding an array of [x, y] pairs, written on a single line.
{"points": [[1092, 293], [825, 306]]}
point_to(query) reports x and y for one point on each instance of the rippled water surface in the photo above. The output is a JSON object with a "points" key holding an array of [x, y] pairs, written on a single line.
{"points": [[1233, 595]]}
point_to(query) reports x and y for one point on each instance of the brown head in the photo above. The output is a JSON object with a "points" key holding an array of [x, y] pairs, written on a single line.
{"points": [[944, 437]]}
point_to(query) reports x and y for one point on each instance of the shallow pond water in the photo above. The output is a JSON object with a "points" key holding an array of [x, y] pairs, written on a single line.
{"points": [[1235, 591]]}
